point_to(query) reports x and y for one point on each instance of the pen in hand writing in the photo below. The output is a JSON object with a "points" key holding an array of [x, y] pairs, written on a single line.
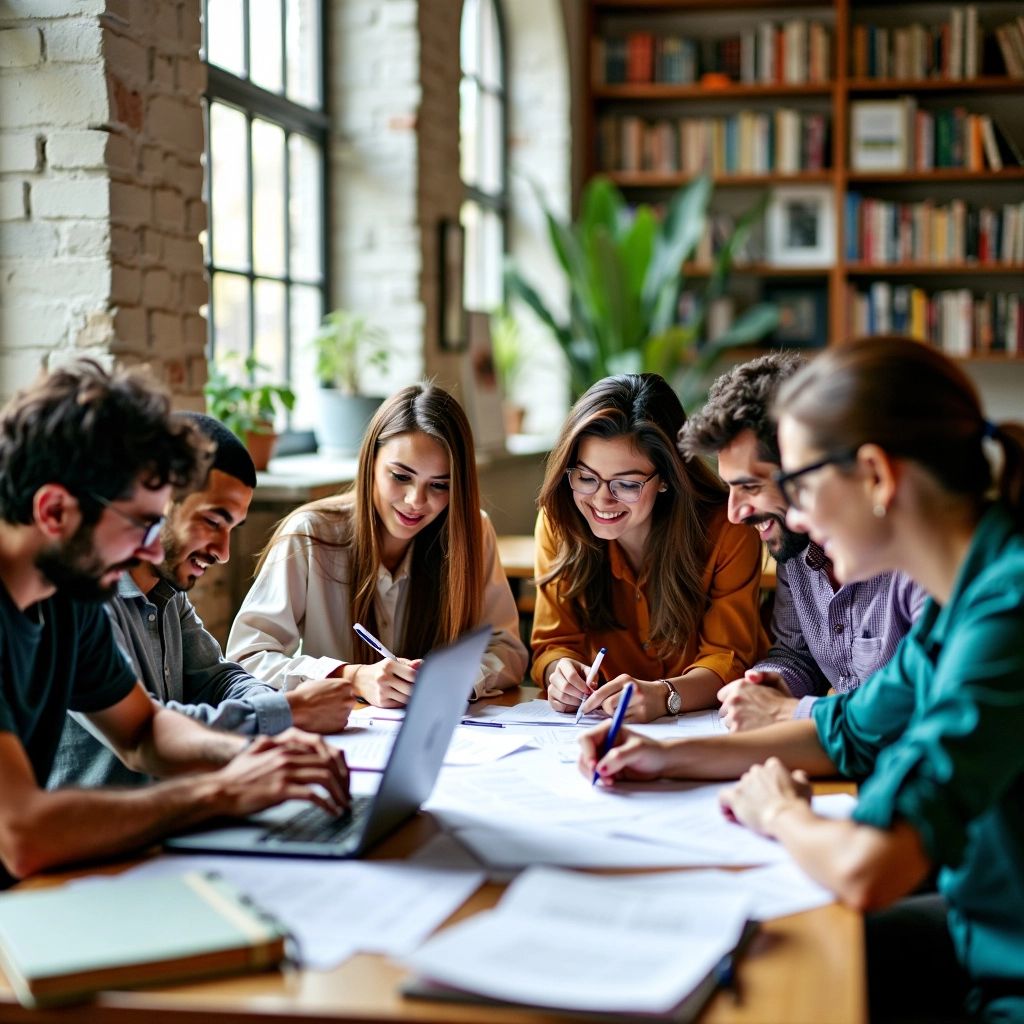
{"points": [[620, 714], [365, 635], [591, 676]]}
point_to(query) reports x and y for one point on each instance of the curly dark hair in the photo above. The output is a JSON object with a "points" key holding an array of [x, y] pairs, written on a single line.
{"points": [[97, 433], [741, 400]]}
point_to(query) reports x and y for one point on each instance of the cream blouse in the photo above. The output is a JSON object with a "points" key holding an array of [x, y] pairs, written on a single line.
{"points": [[295, 625]]}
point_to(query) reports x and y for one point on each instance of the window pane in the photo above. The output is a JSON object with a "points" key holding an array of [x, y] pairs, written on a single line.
{"points": [[469, 41], [491, 255], [491, 144], [303, 29], [269, 337], [304, 208], [469, 140], [225, 39], [470, 218], [268, 197], [265, 44], [230, 295], [229, 198], [306, 314], [490, 45]]}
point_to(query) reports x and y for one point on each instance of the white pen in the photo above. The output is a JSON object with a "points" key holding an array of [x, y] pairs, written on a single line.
{"points": [[591, 676], [364, 634]]}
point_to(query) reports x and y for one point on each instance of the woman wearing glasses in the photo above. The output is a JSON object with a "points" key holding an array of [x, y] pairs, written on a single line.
{"points": [[883, 443], [635, 554]]}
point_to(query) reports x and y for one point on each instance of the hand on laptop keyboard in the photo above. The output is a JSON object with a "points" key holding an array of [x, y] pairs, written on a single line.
{"points": [[293, 765]]}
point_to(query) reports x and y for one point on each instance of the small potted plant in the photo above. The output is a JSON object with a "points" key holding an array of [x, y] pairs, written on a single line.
{"points": [[345, 344], [245, 407], [509, 359]]}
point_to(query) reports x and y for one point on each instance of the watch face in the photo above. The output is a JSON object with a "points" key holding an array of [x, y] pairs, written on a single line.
{"points": [[674, 703]]}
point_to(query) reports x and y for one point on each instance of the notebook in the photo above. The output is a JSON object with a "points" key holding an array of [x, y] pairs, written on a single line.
{"points": [[63, 944], [298, 829]]}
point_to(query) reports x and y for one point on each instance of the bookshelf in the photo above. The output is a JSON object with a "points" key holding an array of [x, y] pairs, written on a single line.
{"points": [[648, 107]]}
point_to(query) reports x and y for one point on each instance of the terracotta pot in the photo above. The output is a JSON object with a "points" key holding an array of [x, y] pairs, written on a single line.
{"points": [[261, 447], [513, 415]]}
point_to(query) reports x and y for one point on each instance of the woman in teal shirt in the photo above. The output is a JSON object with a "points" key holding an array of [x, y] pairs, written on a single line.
{"points": [[883, 446]]}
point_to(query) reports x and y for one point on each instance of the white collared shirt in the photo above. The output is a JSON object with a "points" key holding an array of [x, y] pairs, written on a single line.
{"points": [[295, 624]]}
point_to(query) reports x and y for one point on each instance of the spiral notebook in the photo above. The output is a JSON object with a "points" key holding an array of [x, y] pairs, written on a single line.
{"points": [[61, 945]]}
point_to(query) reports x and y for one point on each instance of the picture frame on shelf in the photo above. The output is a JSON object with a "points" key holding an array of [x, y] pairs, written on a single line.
{"points": [[803, 315], [801, 227], [880, 134], [453, 321]]}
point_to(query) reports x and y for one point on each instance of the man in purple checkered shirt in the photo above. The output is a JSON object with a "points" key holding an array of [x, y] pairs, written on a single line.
{"points": [[824, 635]]}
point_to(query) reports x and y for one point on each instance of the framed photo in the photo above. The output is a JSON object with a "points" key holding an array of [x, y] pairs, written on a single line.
{"points": [[802, 227], [880, 135], [803, 315], [453, 325]]}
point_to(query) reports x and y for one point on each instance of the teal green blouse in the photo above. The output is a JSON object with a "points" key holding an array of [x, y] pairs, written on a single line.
{"points": [[938, 738]]}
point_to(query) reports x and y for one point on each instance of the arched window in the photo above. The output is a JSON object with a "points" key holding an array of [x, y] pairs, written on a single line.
{"points": [[484, 154], [266, 133]]}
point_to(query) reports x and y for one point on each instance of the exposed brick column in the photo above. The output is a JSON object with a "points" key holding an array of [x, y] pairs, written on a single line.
{"points": [[101, 138]]}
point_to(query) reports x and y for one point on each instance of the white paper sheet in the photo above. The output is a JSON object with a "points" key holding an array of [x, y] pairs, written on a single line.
{"points": [[540, 712], [559, 938], [368, 742], [338, 908]]}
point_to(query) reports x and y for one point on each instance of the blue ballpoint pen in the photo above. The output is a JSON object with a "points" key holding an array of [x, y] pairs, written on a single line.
{"points": [[620, 714], [364, 634]]}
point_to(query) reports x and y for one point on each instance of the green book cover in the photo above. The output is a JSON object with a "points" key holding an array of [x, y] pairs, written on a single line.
{"points": [[62, 944]]}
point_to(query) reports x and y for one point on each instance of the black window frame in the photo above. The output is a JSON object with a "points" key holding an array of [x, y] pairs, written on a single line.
{"points": [[255, 102]]}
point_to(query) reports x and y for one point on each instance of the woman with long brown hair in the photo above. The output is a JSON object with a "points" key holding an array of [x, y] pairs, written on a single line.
{"points": [[635, 554], [884, 451], [405, 551]]}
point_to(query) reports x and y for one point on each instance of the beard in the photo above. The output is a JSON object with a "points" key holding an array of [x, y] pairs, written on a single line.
{"points": [[789, 544], [174, 557], [75, 569]]}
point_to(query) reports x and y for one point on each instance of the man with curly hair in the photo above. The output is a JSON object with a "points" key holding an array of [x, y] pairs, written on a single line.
{"points": [[825, 636], [88, 461]]}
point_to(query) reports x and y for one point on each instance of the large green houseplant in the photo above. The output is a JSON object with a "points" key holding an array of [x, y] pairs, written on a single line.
{"points": [[345, 344], [625, 271]]}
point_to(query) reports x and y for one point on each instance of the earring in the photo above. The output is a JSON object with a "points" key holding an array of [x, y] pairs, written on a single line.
{"points": [[663, 488], [879, 511]]}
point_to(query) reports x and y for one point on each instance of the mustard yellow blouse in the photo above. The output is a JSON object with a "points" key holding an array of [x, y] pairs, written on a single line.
{"points": [[730, 637]]}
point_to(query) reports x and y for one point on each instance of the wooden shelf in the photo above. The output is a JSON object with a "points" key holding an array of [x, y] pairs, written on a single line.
{"points": [[944, 174], [986, 83], [676, 91], [935, 269], [759, 270], [651, 179]]}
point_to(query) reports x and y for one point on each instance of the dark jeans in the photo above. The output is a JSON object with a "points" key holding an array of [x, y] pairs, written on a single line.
{"points": [[913, 972]]}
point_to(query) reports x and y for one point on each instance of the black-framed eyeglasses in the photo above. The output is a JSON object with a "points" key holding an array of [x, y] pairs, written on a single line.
{"points": [[150, 527], [789, 483], [585, 481]]}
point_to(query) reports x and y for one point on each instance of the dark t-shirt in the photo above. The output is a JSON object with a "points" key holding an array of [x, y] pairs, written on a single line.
{"points": [[61, 655]]}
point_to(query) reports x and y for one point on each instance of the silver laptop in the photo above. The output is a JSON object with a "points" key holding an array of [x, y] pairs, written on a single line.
{"points": [[298, 829]]}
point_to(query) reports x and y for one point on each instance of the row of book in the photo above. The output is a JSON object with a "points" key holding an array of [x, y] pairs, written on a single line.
{"points": [[954, 320], [794, 52], [881, 232], [894, 135], [950, 50], [782, 141]]}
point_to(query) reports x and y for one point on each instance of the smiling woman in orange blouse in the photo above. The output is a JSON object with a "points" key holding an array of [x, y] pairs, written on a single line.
{"points": [[635, 554]]}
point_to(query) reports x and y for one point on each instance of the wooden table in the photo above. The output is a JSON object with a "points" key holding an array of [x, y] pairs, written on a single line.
{"points": [[803, 969]]}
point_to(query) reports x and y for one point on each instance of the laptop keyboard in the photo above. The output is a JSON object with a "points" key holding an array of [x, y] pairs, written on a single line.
{"points": [[315, 825]]}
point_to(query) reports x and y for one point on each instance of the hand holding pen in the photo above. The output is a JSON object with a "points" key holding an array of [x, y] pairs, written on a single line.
{"points": [[387, 683], [613, 731], [589, 682]]}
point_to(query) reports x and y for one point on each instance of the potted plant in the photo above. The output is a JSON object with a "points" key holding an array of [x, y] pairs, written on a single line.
{"points": [[345, 344], [625, 272], [509, 358], [245, 407]]}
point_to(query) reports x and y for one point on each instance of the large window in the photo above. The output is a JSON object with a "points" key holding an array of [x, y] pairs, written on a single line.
{"points": [[484, 164], [266, 134]]}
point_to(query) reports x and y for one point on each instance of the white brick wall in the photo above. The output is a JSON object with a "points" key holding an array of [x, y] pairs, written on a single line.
{"points": [[100, 143]]}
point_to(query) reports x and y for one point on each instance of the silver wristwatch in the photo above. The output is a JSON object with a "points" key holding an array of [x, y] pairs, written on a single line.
{"points": [[675, 702]]}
